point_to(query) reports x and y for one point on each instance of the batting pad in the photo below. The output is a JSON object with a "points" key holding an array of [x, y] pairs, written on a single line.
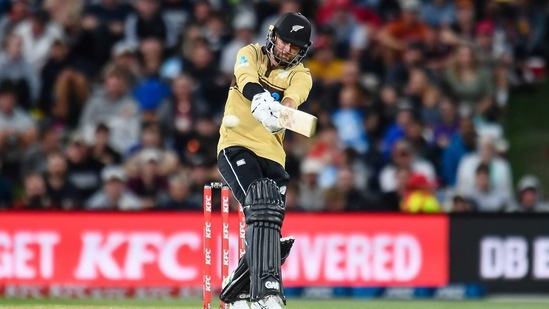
{"points": [[263, 255], [264, 211], [238, 285]]}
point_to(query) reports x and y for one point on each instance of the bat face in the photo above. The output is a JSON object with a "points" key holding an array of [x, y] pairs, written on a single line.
{"points": [[297, 121]]}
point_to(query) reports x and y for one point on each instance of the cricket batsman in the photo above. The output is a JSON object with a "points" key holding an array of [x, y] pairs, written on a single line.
{"points": [[251, 158]]}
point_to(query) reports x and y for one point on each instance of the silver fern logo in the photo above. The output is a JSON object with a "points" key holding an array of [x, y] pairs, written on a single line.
{"points": [[296, 28]]}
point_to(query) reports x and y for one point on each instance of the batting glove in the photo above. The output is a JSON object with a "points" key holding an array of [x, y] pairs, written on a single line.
{"points": [[272, 122], [260, 105]]}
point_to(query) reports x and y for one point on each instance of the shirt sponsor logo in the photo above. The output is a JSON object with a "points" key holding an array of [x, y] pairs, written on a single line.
{"points": [[243, 62]]}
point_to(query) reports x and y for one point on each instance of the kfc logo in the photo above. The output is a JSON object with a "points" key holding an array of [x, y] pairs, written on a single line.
{"points": [[143, 249]]}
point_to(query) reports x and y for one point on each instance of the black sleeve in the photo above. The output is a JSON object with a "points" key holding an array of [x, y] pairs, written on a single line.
{"points": [[251, 89]]}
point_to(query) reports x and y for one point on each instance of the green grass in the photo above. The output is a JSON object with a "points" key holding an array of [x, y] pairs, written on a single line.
{"points": [[292, 304], [527, 129]]}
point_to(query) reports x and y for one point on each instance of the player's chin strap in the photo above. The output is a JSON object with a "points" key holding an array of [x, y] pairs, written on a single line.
{"points": [[237, 285], [264, 211]]}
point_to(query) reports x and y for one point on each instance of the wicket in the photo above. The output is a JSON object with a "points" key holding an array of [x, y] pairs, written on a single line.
{"points": [[207, 272]]}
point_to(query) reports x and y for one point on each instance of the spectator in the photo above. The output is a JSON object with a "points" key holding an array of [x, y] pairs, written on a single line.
{"points": [[292, 197], [349, 120], [495, 57], [83, 169], [284, 6], [177, 12], [447, 125], [217, 34], [179, 195], [414, 135], [101, 149], [396, 131], [71, 93], [530, 196], [66, 13], [177, 115], [102, 26], [431, 107], [471, 85], [417, 85], [124, 56], [151, 138], [334, 160], [14, 67], [459, 203], [64, 88], [201, 171], [531, 29], [486, 196], [463, 28], [148, 185], [311, 196], [60, 190], [201, 142], [362, 170], [149, 21], [351, 78], [395, 35], [108, 13], [38, 35], [438, 12], [243, 25], [392, 199], [403, 156], [209, 80], [150, 90], [112, 105], [17, 130], [398, 74], [151, 54], [387, 107], [326, 68], [336, 199], [113, 195], [485, 44], [500, 171], [20, 11], [356, 198], [461, 143], [419, 196], [201, 11], [34, 159], [437, 50], [35, 194], [349, 34]]}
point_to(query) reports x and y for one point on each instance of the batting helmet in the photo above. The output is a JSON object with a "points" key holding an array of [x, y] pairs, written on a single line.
{"points": [[292, 28]]}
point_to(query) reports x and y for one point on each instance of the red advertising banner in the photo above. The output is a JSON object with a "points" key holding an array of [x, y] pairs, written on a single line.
{"points": [[165, 249]]}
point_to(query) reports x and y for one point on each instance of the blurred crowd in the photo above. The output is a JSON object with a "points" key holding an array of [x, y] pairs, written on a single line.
{"points": [[116, 104]]}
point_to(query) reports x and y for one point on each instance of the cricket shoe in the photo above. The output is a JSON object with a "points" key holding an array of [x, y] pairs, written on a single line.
{"points": [[269, 302], [241, 304]]}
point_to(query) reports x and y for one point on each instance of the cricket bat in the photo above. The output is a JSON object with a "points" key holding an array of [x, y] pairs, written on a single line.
{"points": [[297, 121]]}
